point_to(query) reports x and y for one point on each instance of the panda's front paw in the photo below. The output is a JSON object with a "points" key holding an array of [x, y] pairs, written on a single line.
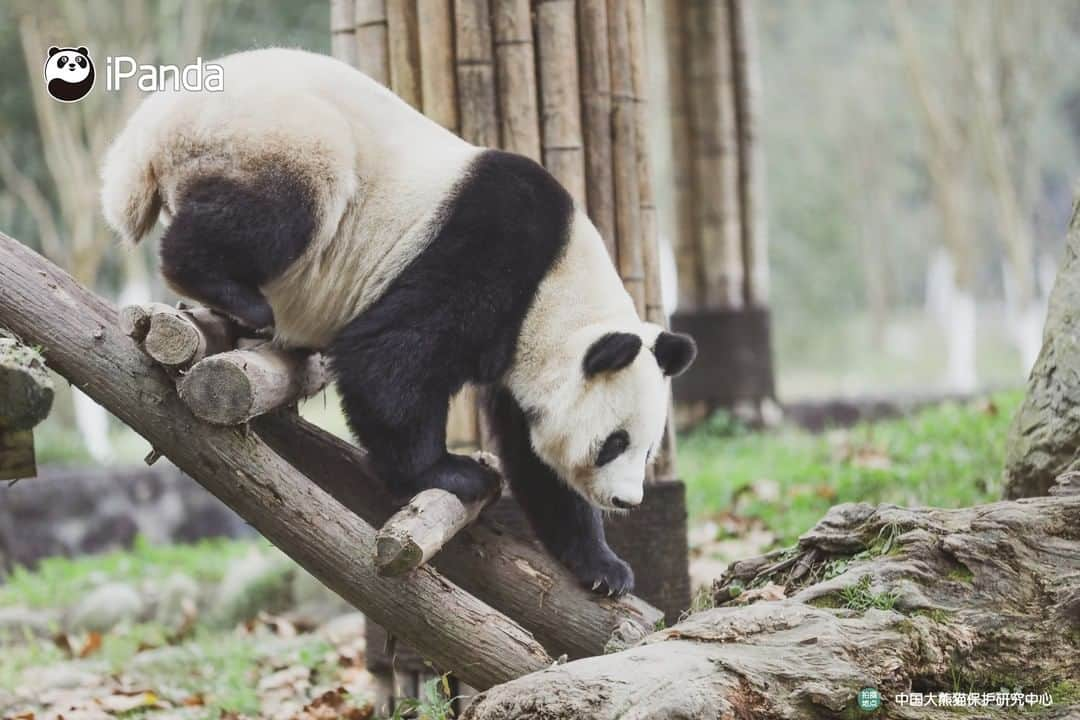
{"points": [[607, 574]]}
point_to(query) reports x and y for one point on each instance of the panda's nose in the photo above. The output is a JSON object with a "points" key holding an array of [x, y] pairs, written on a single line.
{"points": [[625, 504], [71, 66]]}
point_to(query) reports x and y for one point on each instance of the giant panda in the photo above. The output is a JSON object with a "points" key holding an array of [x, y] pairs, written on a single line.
{"points": [[308, 197]]}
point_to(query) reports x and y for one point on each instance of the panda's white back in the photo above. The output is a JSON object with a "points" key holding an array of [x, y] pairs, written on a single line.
{"points": [[379, 169]]}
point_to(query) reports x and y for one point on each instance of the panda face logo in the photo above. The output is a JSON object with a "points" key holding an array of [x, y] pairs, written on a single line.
{"points": [[69, 73]]}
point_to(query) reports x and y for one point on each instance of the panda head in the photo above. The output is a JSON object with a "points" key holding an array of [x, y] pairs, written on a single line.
{"points": [[69, 73], [604, 422]]}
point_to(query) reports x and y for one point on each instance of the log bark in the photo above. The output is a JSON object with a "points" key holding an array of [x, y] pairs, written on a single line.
{"points": [[437, 82], [900, 600], [180, 338], [233, 387], [420, 529], [81, 341], [26, 396], [475, 65], [372, 49], [519, 118], [1043, 439], [560, 96]]}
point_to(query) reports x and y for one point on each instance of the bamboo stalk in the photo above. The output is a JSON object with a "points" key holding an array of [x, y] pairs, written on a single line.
{"points": [[650, 242], [625, 158], [683, 169], [560, 97], [715, 154], [596, 118], [372, 51], [438, 85], [475, 64], [516, 73], [751, 161], [403, 46], [343, 30]]}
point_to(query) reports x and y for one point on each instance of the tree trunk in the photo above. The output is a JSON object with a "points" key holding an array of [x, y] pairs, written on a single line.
{"points": [[1043, 440], [978, 600]]}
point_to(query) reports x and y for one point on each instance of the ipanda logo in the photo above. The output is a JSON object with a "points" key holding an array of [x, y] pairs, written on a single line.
{"points": [[69, 74]]}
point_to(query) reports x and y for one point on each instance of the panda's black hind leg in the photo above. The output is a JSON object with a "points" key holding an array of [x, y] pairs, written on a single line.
{"points": [[228, 238]]}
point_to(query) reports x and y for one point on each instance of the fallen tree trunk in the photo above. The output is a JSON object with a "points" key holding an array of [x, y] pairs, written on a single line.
{"points": [[912, 603], [81, 340]]}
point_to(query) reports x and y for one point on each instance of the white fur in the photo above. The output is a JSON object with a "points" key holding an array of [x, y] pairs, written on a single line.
{"points": [[381, 171], [580, 301]]}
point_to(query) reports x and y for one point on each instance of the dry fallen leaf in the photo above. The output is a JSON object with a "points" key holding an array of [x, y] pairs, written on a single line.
{"points": [[91, 645], [126, 702], [769, 591]]}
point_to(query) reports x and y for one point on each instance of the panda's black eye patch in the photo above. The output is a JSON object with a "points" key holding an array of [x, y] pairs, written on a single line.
{"points": [[61, 61], [613, 447], [81, 61]]}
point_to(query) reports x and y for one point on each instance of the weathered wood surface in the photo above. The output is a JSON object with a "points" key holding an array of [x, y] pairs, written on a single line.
{"points": [[427, 522], [180, 338], [517, 577], [474, 62], [1044, 440], [971, 600], [233, 387], [81, 340], [519, 118], [372, 44], [562, 140], [26, 396]]}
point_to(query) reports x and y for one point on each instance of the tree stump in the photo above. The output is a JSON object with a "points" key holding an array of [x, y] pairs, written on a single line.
{"points": [[26, 396]]}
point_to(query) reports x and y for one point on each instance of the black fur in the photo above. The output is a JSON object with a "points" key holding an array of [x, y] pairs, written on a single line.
{"points": [[570, 528], [613, 351], [674, 352], [453, 316], [228, 238]]}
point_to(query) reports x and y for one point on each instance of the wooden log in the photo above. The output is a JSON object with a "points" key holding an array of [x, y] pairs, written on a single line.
{"points": [[519, 119], [474, 63], [233, 387], [928, 601], [81, 341], [420, 529], [180, 338], [372, 49], [747, 88], [26, 390], [342, 31], [17, 459], [596, 118], [438, 82], [134, 320], [517, 577], [560, 95], [685, 240], [404, 50], [625, 160]]}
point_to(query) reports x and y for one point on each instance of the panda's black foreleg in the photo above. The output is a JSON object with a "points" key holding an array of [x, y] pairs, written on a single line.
{"points": [[570, 528], [396, 403]]}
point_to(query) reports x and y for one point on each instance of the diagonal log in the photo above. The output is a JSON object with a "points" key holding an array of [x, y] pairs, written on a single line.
{"points": [[81, 340], [978, 600]]}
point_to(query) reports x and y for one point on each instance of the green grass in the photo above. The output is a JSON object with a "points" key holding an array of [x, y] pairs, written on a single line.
{"points": [[947, 456], [58, 581]]}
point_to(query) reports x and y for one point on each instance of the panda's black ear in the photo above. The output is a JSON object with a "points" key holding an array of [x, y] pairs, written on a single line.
{"points": [[53, 50], [674, 352], [613, 351], [82, 51]]}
